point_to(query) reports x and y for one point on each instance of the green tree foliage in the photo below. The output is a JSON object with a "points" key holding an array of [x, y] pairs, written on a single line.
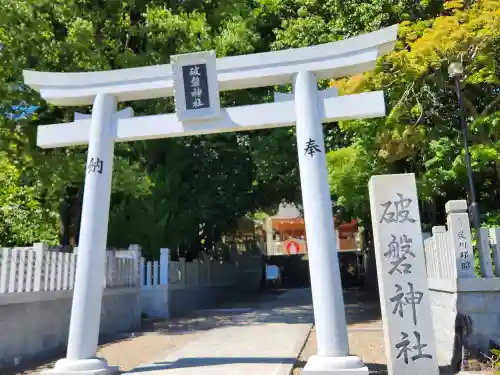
{"points": [[422, 132], [165, 192], [192, 190], [23, 220]]}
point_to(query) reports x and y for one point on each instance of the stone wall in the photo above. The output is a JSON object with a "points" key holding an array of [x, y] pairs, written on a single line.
{"points": [[468, 308], [465, 301], [479, 300], [174, 300], [172, 289], [35, 324], [185, 300], [444, 312]]}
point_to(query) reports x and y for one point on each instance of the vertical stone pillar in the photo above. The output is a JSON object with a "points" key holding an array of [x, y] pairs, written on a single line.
{"points": [[460, 238], [331, 329], [89, 281], [404, 293]]}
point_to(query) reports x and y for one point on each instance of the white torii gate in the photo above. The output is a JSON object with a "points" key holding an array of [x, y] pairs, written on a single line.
{"points": [[307, 108]]}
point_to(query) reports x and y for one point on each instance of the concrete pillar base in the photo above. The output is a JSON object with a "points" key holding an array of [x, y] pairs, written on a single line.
{"points": [[91, 366], [350, 365]]}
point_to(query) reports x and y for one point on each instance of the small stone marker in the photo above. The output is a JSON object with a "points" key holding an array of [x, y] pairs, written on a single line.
{"points": [[402, 278], [196, 86], [460, 237]]}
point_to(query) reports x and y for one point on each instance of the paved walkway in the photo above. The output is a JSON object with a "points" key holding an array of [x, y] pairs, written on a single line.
{"points": [[265, 340]]}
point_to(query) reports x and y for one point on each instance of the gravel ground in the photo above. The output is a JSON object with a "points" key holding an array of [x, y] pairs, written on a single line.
{"points": [[132, 352], [366, 337], [368, 345]]}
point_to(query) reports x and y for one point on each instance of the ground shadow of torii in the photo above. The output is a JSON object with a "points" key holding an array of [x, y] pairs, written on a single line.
{"points": [[359, 308], [209, 361], [374, 368]]}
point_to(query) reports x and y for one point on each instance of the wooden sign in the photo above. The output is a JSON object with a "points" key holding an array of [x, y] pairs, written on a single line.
{"points": [[195, 86]]}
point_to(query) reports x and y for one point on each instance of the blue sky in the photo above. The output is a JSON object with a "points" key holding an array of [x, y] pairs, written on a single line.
{"points": [[20, 112]]}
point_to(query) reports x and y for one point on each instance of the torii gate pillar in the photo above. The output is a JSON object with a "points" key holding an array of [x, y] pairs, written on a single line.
{"points": [[329, 315]]}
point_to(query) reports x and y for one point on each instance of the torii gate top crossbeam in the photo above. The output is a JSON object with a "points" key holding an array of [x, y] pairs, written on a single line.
{"points": [[331, 60]]}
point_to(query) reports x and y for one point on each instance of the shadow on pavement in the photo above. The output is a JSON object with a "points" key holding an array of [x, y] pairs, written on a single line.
{"points": [[361, 307], [377, 368], [380, 369], [294, 307], [208, 361]]}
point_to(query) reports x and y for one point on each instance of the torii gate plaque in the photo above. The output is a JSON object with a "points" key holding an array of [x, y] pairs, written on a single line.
{"points": [[195, 80]]}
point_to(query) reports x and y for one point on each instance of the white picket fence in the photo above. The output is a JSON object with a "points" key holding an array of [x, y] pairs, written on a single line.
{"points": [[204, 271], [43, 268], [151, 274], [449, 250]]}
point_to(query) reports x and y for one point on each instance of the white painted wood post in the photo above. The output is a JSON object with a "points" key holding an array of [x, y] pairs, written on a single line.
{"points": [[87, 295], [495, 243], [164, 262], [111, 269], [39, 249], [67, 265], [106, 269], [155, 273], [148, 274], [485, 263], [445, 256], [460, 237], [60, 270], [21, 270], [142, 266], [437, 232], [449, 257], [126, 271], [123, 270], [46, 270], [72, 268], [403, 288], [53, 269], [430, 257], [124, 277], [13, 270], [136, 250], [4, 270], [30, 270], [118, 270]]}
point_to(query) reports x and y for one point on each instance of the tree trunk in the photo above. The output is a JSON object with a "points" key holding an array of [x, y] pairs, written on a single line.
{"points": [[65, 218], [371, 280], [497, 167], [76, 215]]}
